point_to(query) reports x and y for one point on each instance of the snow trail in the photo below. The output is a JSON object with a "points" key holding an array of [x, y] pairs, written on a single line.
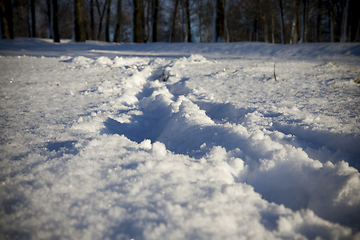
{"points": [[266, 158]]}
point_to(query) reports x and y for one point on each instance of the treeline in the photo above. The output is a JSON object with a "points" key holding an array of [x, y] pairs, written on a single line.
{"points": [[141, 21]]}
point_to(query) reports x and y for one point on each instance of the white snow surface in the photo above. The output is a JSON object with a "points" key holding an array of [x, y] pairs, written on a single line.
{"points": [[179, 141]]}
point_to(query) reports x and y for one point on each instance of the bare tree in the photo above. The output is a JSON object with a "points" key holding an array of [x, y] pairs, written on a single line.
{"points": [[55, 21], [298, 22], [101, 14], [48, 4], [136, 22], [357, 32], [147, 20], [227, 30], [178, 20], [344, 22], [118, 22], [92, 24], [304, 27], [155, 20], [273, 27], [174, 21], [141, 18], [199, 13], [293, 38], [265, 18], [218, 21], [331, 12], [187, 21], [281, 21], [318, 22], [79, 21], [33, 18], [253, 31], [20, 18], [107, 34], [6, 18]]}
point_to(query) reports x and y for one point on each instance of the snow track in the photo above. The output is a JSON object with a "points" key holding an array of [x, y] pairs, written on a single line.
{"points": [[222, 131], [186, 148]]}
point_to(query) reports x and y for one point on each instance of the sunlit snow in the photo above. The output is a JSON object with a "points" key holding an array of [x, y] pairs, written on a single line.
{"points": [[179, 141]]}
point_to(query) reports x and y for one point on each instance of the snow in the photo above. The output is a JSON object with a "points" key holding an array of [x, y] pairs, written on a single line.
{"points": [[179, 141]]}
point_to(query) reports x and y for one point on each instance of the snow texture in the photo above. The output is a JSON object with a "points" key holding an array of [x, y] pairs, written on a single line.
{"points": [[179, 141]]}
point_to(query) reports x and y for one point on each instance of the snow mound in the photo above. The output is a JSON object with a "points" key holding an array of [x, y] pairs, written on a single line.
{"points": [[104, 61], [196, 58], [128, 62], [80, 60]]}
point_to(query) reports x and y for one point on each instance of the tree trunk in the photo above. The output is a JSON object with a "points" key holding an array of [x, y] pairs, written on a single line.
{"points": [[79, 21], [332, 24], [48, 4], [136, 22], [253, 30], [148, 21], [298, 22], [318, 22], [101, 14], [144, 38], [92, 25], [344, 22], [182, 21], [187, 20], [7, 29], [107, 33], [155, 20], [200, 22], [214, 33], [349, 33], [33, 18], [281, 21], [118, 23], [307, 21], [357, 32], [55, 21], [273, 27], [303, 22], [174, 21], [293, 27], [331, 18], [24, 13], [266, 28], [227, 27], [293, 31], [218, 21], [28, 14]]}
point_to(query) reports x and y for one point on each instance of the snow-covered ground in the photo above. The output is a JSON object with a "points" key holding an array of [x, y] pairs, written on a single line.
{"points": [[179, 141]]}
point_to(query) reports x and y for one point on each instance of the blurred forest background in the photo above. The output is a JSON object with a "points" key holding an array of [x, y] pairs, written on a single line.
{"points": [[141, 21]]}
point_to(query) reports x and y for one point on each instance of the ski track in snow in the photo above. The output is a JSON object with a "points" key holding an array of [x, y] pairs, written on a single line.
{"points": [[179, 148]]}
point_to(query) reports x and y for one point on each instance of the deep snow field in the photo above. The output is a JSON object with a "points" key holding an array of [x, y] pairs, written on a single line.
{"points": [[179, 141]]}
